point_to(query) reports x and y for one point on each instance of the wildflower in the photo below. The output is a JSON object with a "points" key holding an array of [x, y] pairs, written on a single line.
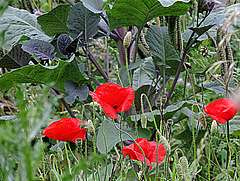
{"points": [[66, 129], [149, 149], [222, 110], [113, 98]]}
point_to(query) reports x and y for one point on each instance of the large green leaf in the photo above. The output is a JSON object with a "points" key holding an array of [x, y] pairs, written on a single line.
{"points": [[15, 58], [112, 137], [144, 75], [95, 6], [82, 20], [54, 76], [167, 54], [17, 23], [137, 13], [55, 21]]}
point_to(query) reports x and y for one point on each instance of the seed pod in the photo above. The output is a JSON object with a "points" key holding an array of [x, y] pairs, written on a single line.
{"points": [[165, 143], [52, 175], [202, 119], [144, 120], [184, 163], [214, 127], [202, 78], [127, 39], [60, 154], [90, 127]]}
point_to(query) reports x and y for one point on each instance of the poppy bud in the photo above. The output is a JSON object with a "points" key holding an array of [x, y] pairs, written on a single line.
{"points": [[165, 143], [202, 119], [60, 154], [201, 78], [127, 39], [139, 175], [214, 127], [144, 120], [184, 163], [52, 175], [90, 127], [163, 99]]}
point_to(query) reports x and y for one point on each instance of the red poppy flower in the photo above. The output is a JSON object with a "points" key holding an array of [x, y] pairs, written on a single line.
{"points": [[113, 98], [222, 110], [149, 149], [66, 129]]}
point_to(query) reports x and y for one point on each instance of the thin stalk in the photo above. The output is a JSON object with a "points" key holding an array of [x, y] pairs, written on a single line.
{"points": [[193, 134], [68, 161], [228, 147], [105, 142], [209, 157], [194, 95], [130, 136], [154, 121]]}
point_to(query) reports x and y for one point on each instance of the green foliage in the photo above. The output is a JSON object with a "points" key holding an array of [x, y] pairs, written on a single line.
{"points": [[15, 58], [141, 12], [54, 77], [55, 21], [17, 23]]}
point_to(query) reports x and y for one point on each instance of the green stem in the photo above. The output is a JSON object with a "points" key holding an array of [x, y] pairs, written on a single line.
{"points": [[194, 143], [68, 161], [228, 147], [134, 142], [105, 141], [155, 124]]}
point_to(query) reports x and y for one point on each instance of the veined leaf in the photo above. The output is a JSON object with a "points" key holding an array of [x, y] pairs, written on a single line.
{"points": [[17, 23], [82, 20], [15, 58], [54, 76], [39, 48], [159, 45], [95, 6], [137, 13], [55, 21]]}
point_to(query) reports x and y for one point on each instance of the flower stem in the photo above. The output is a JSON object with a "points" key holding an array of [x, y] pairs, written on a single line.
{"points": [[105, 142], [193, 134], [134, 142], [228, 147]]}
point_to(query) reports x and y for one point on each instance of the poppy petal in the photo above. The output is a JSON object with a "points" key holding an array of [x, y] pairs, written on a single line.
{"points": [[108, 109], [161, 152], [113, 98], [65, 129], [222, 110]]}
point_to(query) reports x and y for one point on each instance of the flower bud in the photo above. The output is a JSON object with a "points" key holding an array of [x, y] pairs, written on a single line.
{"points": [[127, 39], [184, 163], [144, 120], [60, 154], [214, 127], [52, 175], [165, 143], [202, 119], [90, 127]]}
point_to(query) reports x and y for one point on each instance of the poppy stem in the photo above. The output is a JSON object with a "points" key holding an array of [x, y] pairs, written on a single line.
{"points": [[228, 147]]}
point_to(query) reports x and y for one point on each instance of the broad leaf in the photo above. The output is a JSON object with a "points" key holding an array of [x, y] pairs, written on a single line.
{"points": [[62, 42], [95, 6], [112, 137], [144, 75], [137, 13], [234, 126], [82, 20], [167, 3], [219, 88], [17, 23], [167, 54], [201, 30], [39, 48], [75, 91], [54, 76], [15, 58], [54, 22]]}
